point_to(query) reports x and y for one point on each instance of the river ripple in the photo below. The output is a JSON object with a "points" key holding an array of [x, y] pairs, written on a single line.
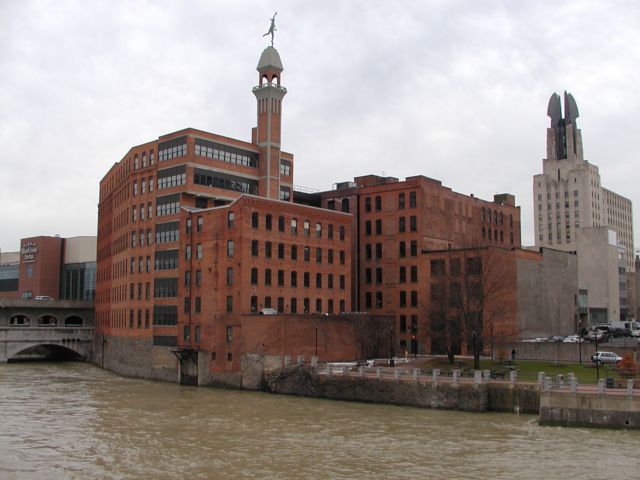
{"points": [[73, 420]]}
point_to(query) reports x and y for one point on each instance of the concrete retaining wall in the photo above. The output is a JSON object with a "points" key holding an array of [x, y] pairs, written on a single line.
{"points": [[567, 410], [566, 352]]}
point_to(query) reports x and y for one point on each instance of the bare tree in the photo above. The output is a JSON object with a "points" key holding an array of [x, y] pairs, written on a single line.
{"points": [[373, 335], [472, 299]]}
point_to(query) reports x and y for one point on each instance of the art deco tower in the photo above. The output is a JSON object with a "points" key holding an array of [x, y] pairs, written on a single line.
{"points": [[568, 194]]}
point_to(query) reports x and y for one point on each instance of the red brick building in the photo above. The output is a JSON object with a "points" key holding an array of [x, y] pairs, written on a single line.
{"points": [[196, 230], [53, 267], [396, 225]]}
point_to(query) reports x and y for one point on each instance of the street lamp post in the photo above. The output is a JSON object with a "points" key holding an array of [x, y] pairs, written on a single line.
{"points": [[391, 362], [595, 339]]}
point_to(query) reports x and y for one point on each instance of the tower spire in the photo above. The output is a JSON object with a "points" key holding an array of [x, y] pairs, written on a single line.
{"points": [[269, 94]]}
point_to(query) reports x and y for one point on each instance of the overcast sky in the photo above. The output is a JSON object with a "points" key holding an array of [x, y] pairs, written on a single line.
{"points": [[453, 90]]}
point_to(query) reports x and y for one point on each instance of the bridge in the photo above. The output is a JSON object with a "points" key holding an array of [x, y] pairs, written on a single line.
{"points": [[45, 329]]}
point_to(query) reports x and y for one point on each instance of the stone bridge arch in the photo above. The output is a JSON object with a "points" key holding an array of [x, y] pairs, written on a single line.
{"points": [[71, 349]]}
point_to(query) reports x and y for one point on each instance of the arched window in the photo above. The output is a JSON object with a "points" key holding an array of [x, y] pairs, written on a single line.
{"points": [[19, 321], [73, 321]]}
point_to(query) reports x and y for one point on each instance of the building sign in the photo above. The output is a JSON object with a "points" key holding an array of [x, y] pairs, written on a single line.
{"points": [[28, 252]]}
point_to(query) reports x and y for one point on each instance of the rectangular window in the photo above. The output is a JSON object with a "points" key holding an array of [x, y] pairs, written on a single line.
{"points": [[281, 223], [401, 201], [285, 167], [413, 223], [229, 304], [267, 250], [281, 251], [281, 278], [412, 199], [401, 225], [294, 252], [318, 255]]}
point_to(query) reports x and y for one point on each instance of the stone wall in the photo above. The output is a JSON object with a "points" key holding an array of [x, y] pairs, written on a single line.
{"points": [[301, 381], [135, 357]]}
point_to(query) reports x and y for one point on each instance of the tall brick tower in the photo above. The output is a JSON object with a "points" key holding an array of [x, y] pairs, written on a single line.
{"points": [[269, 94]]}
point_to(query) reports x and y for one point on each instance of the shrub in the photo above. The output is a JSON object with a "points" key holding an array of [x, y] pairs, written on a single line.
{"points": [[627, 367]]}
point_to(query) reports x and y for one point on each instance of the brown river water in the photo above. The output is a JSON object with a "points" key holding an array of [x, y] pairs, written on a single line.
{"points": [[73, 420]]}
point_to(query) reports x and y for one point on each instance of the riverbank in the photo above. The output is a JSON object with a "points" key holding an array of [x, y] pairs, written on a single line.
{"points": [[554, 404]]}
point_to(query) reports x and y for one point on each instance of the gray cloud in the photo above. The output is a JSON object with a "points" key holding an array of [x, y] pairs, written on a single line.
{"points": [[452, 90]]}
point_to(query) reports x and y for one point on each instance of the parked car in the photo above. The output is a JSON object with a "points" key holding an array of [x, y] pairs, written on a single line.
{"points": [[635, 333], [620, 332], [605, 357], [43, 297], [598, 335]]}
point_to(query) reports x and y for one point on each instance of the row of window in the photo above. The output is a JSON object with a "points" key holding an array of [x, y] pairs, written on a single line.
{"points": [[498, 217], [172, 149], [293, 279], [293, 252], [142, 211], [224, 181], [292, 307], [486, 234], [402, 275], [401, 202], [306, 225], [137, 160], [402, 225], [226, 153], [472, 265], [143, 186], [369, 299], [402, 250]]}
